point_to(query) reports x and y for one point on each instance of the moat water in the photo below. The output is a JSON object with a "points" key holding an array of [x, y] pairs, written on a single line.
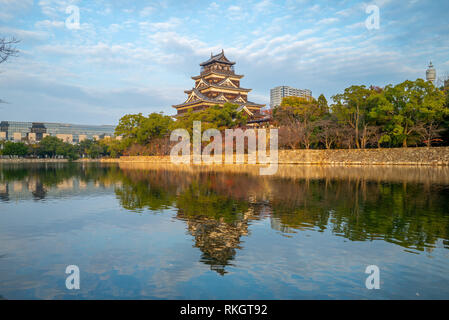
{"points": [[163, 232]]}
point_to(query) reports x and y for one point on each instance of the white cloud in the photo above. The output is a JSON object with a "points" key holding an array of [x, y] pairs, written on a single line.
{"points": [[108, 55], [170, 24], [49, 24], [65, 102], [327, 20], [55, 8], [236, 13], [214, 6], [147, 11], [357, 9], [314, 9], [11, 8], [22, 34], [115, 27], [263, 6]]}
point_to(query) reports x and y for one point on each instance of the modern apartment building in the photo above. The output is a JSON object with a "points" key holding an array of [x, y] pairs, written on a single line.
{"points": [[276, 94], [36, 131]]}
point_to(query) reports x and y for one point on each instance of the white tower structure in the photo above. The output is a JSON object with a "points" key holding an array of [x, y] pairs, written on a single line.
{"points": [[431, 73]]}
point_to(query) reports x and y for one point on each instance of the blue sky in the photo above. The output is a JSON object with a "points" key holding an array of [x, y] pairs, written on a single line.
{"points": [[138, 56]]}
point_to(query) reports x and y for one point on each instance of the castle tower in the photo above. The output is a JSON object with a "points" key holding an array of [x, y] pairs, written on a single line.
{"points": [[431, 73], [216, 85]]}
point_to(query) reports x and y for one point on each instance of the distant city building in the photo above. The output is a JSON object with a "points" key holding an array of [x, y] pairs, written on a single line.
{"points": [[276, 94], [431, 73], [36, 131]]}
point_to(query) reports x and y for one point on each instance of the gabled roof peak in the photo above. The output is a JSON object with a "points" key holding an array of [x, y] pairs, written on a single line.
{"points": [[217, 58]]}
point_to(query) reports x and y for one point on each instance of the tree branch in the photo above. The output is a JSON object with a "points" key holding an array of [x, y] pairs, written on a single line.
{"points": [[7, 48]]}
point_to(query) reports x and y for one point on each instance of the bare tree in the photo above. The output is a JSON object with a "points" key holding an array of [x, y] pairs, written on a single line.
{"points": [[443, 80], [371, 135], [7, 48], [429, 131], [345, 137], [374, 136], [291, 134], [328, 134]]}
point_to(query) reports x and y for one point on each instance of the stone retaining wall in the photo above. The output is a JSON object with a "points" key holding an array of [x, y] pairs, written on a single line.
{"points": [[398, 156]]}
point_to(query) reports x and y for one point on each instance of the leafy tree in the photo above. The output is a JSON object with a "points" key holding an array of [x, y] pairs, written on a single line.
{"points": [[129, 126], [382, 118], [298, 118], [418, 107], [84, 146], [446, 92], [322, 103], [140, 130], [52, 146], [352, 108], [445, 124], [216, 117], [49, 146], [93, 148], [67, 150], [155, 126], [14, 149], [96, 150], [33, 150], [304, 110], [113, 147]]}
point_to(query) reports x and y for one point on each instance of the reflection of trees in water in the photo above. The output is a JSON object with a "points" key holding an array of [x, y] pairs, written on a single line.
{"points": [[218, 206], [408, 214], [39, 178], [411, 215], [155, 191], [216, 221]]}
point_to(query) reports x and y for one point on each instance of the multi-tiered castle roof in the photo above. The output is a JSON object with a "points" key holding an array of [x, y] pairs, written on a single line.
{"points": [[216, 85]]}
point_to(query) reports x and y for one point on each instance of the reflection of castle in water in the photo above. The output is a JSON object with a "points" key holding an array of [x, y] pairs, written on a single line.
{"points": [[218, 207], [217, 238]]}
